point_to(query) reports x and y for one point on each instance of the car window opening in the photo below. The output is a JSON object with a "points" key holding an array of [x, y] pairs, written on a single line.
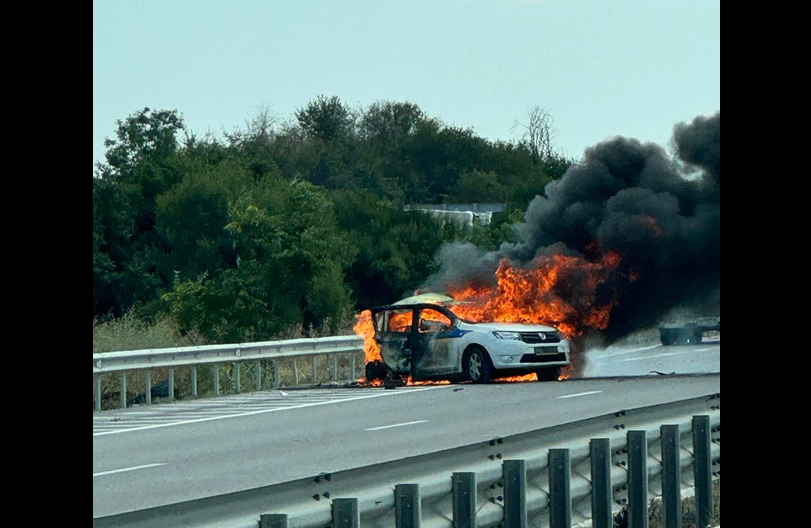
{"points": [[432, 321], [399, 321]]}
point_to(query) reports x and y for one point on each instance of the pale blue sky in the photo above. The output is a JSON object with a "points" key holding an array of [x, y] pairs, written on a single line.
{"points": [[604, 68]]}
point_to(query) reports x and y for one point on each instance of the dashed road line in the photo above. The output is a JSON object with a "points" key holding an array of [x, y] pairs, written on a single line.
{"points": [[397, 425], [578, 394], [127, 469]]}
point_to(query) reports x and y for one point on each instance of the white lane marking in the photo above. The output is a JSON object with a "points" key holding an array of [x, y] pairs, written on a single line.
{"points": [[262, 411], [691, 351], [651, 357], [578, 394], [610, 353], [397, 425], [128, 469]]}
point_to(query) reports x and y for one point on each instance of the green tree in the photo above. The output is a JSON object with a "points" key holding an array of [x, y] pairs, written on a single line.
{"points": [[138, 168], [394, 250], [288, 269], [477, 187], [192, 217], [325, 118]]}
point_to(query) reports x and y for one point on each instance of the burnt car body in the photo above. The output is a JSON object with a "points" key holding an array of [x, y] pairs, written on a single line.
{"points": [[427, 341]]}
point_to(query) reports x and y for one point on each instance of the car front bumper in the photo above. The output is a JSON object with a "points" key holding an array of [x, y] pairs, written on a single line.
{"points": [[519, 355]]}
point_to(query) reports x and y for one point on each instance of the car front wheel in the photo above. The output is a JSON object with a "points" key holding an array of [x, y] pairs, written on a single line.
{"points": [[478, 368]]}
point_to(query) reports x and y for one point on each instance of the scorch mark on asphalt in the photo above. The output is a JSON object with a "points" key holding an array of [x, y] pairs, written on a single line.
{"points": [[128, 469], [397, 425]]}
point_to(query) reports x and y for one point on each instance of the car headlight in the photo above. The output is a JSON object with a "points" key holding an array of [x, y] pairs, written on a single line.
{"points": [[508, 335]]}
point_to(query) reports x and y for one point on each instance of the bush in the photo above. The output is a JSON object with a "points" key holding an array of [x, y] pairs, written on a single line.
{"points": [[132, 332]]}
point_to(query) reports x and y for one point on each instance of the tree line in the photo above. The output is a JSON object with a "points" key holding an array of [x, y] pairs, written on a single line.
{"points": [[295, 222]]}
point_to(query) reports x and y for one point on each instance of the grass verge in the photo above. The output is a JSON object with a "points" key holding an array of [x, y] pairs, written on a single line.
{"points": [[689, 512]]}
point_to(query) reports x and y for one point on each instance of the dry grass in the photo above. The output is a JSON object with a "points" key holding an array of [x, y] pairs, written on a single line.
{"points": [[131, 332], [689, 512]]}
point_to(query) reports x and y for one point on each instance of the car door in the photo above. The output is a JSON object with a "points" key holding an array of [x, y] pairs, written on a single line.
{"points": [[433, 344], [393, 329]]}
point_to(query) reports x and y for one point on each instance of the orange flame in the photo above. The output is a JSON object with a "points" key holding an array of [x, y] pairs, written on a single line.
{"points": [[365, 328], [519, 379], [561, 291]]}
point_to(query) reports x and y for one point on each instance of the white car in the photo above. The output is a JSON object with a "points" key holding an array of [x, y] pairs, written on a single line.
{"points": [[422, 338]]}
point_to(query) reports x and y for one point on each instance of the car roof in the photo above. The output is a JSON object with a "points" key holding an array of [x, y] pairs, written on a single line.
{"points": [[417, 306], [427, 298]]}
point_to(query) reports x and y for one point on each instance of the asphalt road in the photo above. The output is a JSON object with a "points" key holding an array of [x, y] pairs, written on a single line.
{"points": [[651, 359], [135, 468]]}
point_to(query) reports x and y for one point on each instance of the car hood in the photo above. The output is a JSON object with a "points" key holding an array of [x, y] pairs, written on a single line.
{"points": [[505, 327]]}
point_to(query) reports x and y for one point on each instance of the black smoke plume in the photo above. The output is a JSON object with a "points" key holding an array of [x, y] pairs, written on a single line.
{"points": [[661, 212]]}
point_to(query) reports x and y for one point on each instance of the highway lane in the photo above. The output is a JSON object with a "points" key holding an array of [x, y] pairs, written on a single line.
{"points": [[143, 468], [646, 359]]}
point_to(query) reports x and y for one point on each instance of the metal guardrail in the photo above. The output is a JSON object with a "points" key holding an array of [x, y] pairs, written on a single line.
{"points": [[171, 358], [549, 477]]}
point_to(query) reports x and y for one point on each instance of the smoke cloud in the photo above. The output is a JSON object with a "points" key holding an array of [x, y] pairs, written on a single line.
{"points": [[662, 213]]}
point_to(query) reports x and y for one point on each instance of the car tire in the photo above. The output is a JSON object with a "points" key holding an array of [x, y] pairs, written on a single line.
{"points": [[548, 374], [376, 371], [477, 366]]}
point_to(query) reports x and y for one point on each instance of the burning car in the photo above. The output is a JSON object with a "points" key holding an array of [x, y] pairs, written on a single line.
{"points": [[422, 338]]}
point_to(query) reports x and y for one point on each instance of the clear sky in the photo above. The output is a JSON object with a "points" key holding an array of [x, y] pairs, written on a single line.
{"points": [[603, 68]]}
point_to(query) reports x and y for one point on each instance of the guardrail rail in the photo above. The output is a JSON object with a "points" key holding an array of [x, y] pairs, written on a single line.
{"points": [[195, 356]]}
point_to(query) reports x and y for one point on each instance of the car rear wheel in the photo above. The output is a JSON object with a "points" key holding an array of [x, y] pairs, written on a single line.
{"points": [[478, 368], [549, 374]]}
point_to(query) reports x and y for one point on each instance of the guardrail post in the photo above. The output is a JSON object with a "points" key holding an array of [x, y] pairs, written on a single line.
{"points": [[671, 476], [272, 520], [258, 375], [464, 499], [123, 391], [601, 515], [171, 384], [515, 494], [98, 392], [560, 495], [194, 381], [236, 378], [407, 510], [702, 468], [353, 378], [345, 513], [276, 377], [216, 379], [295, 371], [335, 367], [637, 479], [148, 386], [315, 375]]}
